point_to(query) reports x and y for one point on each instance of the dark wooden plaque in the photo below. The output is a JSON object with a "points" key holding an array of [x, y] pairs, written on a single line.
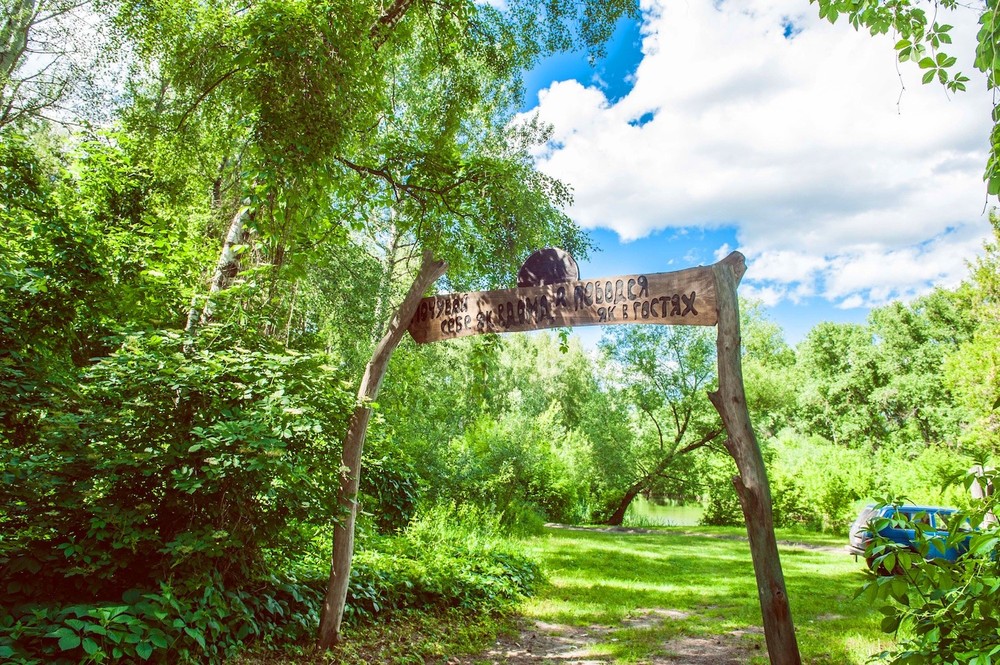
{"points": [[684, 297]]}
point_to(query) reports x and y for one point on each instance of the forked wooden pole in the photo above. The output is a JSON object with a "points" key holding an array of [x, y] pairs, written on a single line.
{"points": [[751, 483], [350, 475]]}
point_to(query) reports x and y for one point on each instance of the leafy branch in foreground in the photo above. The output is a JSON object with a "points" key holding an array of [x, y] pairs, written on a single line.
{"points": [[942, 611], [921, 40]]}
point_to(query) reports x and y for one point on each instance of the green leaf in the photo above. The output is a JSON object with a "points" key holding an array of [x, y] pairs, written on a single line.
{"points": [[928, 77], [90, 646], [890, 624], [993, 185], [67, 642], [144, 650], [197, 635], [926, 63], [889, 562]]}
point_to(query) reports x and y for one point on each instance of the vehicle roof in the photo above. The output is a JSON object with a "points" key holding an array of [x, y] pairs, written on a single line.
{"points": [[912, 508]]}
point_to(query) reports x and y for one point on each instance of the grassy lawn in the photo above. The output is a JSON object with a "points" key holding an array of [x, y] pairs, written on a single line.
{"points": [[604, 579], [699, 580]]}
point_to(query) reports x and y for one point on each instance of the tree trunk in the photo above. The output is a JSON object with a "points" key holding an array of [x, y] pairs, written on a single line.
{"points": [[384, 296], [354, 441], [225, 268], [14, 38], [619, 515], [644, 483], [751, 485]]}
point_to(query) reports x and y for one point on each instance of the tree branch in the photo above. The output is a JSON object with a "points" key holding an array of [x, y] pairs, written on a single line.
{"points": [[380, 30], [202, 97], [703, 441], [659, 432]]}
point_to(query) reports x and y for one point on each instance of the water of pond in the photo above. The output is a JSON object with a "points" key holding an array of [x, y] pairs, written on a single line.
{"points": [[645, 513]]}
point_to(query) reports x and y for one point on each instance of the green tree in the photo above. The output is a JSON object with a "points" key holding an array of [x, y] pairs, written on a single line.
{"points": [[465, 410], [840, 370], [769, 371], [912, 342], [973, 369], [288, 129], [663, 373], [47, 64]]}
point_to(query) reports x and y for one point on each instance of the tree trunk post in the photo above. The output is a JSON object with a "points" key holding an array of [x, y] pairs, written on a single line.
{"points": [[225, 268], [354, 441], [751, 483]]}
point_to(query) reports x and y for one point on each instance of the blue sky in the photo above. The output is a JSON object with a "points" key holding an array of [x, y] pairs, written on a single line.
{"points": [[753, 125]]}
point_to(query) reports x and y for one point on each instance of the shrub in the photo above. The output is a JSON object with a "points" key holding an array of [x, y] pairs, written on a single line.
{"points": [[160, 626], [816, 483], [184, 460], [389, 487], [519, 467], [447, 557], [144, 521], [942, 611], [722, 505]]}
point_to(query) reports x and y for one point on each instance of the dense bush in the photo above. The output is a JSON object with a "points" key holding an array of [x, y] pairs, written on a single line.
{"points": [[815, 483], [160, 626], [941, 611], [182, 459], [51, 280], [154, 505], [521, 469], [447, 557], [721, 504], [390, 487]]}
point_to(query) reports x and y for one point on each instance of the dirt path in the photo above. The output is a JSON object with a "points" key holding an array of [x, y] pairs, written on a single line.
{"points": [[541, 643]]}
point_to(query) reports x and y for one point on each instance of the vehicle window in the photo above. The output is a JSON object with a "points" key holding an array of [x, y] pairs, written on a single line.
{"points": [[924, 519], [941, 523]]}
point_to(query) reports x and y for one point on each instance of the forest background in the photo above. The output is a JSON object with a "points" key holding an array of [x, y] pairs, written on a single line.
{"points": [[210, 216]]}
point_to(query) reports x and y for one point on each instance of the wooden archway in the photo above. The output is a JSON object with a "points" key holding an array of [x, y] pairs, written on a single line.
{"points": [[551, 295], [702, 296]]}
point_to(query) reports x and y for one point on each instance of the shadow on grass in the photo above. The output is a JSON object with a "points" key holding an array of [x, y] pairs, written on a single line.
{"points": [[600, 578]]}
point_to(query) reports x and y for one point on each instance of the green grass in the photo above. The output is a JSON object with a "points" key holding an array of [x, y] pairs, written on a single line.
{"points": [[602, 579], [605, 578], [405, 638]]}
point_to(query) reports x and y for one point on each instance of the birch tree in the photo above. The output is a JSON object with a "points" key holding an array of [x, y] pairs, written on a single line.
{"points": [[48, 58]]}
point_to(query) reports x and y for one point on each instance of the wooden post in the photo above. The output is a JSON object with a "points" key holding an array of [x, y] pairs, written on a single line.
{"points": [[354, 441], [751, 483]]}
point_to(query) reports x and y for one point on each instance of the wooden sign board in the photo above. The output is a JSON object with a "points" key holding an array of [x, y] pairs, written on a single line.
{"points": [[684, 297]]}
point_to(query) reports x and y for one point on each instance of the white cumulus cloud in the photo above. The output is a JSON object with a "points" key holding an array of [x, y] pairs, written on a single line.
{"points": [[844, 176]]}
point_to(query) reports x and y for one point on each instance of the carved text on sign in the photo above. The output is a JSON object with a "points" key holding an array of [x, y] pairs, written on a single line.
{"points": [[685, 297]]}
